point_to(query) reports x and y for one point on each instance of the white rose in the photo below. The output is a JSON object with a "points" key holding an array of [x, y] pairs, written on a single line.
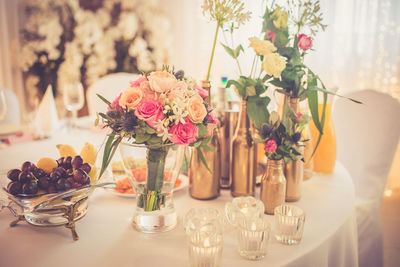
{"points": [[274, 64]]}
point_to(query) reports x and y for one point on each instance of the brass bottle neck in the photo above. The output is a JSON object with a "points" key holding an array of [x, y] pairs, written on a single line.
{"points": [[207, 86], [274, 164], [243, 122]]}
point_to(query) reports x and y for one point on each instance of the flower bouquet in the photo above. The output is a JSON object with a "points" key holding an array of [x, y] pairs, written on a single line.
{"points": [[162, 112]]}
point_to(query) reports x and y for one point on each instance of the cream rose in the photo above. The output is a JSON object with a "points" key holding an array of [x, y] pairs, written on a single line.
{"points": [[162, 81], [262, 47], [196, 109], [274, 64], [131, 97], [180, 91]]}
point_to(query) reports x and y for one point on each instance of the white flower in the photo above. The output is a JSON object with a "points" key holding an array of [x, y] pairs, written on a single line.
{"points": [[162, 129]]}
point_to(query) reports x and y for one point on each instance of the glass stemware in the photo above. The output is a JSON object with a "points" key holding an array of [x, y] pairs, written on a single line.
{"points": [[73, 100]]}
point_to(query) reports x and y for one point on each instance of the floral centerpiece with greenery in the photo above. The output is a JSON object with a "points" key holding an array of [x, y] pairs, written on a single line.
{"points": [[157, 109], [282, 138]]}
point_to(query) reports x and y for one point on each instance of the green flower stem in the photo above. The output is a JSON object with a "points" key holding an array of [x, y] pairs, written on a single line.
{"points": [[155, 178], [213, 50]]}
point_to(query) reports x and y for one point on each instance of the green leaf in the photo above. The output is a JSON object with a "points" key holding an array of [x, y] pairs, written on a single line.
{"points": [[257, 109], [140, 138], [237, 51], [206, 147], [250, 90], [104, 100], [201, 156], [202, 129], [229, 50], [154, 139], [239, 88], [149, 130], [106, 154]]}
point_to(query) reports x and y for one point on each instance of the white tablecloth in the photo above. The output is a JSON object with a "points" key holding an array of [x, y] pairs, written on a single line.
{"points": [[108, 239]]}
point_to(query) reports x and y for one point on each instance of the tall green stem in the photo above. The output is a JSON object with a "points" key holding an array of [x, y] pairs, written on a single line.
{"points": [[213, 51]]}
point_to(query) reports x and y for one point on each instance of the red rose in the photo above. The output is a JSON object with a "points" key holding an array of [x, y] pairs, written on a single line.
{"points": [[304, 42]]}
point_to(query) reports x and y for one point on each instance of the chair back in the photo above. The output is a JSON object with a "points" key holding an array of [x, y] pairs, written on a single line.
{"points": [[367, 137], [13, 115], [109, 87]]}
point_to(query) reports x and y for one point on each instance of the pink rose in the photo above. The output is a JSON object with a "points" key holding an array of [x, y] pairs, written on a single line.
{"points": [[150, 110], [298, 114], [183, 133], [270, 146], [115, 103], [131, 97], [270, 35], [162, 81], [202, 92], [304, 42], [137, 82]]}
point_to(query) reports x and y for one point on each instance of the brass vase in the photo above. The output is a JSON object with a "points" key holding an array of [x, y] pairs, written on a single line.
{"points": [[308, 149], [243, 157], [294, 170], [204, 183], [273, 186]]}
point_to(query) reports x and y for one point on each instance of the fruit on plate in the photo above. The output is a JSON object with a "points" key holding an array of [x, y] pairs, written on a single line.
{"points": [[66, 150], [47, 164], [89, 153]]}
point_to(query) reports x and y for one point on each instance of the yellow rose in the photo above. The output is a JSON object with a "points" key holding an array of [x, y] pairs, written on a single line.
{"points": [[274, 64], [280, 18], [131, 97], [262, 47], [196, 109]]}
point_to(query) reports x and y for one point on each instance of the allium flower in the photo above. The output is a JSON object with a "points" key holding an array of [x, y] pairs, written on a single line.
{"points": [[296, 137], [270, 146], [130, 121], [225, 11], [265, 130]]}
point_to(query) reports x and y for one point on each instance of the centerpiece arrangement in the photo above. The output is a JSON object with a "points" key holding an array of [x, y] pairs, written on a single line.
{"points": [[154, 118]]}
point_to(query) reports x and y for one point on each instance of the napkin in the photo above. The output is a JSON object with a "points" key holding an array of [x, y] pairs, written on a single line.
{"points": [[46, 120]]}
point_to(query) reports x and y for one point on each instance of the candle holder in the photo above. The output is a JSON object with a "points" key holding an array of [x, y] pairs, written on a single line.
{"points": [[204, 230], [289, 224]]}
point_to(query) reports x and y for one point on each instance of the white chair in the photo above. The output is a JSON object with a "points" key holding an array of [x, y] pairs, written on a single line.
{"points": [[109, 87], [13, 115], [367, 136]]}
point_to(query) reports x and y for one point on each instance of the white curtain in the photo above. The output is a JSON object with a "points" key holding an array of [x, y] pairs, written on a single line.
{"points": [[10, 74]]}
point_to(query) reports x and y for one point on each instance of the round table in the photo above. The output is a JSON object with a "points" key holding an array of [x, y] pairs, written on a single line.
{"points": [[106, 237]]}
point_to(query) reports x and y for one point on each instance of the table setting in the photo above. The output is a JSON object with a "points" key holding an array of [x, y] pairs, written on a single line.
{"points": [[166, 173]]}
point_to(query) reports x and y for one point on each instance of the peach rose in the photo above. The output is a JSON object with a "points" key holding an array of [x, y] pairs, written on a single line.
{"points": [[162, 81], [147, 92], [196, 109], [131, 97]]}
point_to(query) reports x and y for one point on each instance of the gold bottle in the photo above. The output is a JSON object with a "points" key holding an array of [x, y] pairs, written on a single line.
{"points": [[243, 157], [273, 186], [204, 184]]}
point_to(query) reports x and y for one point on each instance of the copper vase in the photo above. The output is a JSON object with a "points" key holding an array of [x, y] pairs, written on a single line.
{"points": [[273, 186], [294, 170], [204, 183], [243, 157]]}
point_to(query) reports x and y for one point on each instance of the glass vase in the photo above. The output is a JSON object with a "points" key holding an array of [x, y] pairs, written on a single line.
{"points": [[153, 171]]}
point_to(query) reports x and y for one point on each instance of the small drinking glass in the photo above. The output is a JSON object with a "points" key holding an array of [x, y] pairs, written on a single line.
{"points": [[253, 236], [289, 224], [74, 100], [204, 230], [3, 105]]}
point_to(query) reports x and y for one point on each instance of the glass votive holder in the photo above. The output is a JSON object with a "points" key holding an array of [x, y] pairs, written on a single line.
{"points": [[289, 224], [204, 230], [253, 236], [243, 207]]}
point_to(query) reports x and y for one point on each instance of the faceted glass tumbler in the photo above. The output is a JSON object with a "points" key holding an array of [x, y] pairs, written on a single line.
{"points": [[204, 230], [253, 236], [289, 224]]}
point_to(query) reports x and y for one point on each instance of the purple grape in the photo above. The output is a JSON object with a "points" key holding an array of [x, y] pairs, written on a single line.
{"points": [[60, 184], [67, 163], [67, 185], [52, 188], [25, 176], [44, 182], [86, 168], [54, 176], [77, 162], [38, 173], [28, 166], [60, 162], [80, 176], [14, 188], [13, 174], [61, 171], [87, 180], [30, 188]]}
